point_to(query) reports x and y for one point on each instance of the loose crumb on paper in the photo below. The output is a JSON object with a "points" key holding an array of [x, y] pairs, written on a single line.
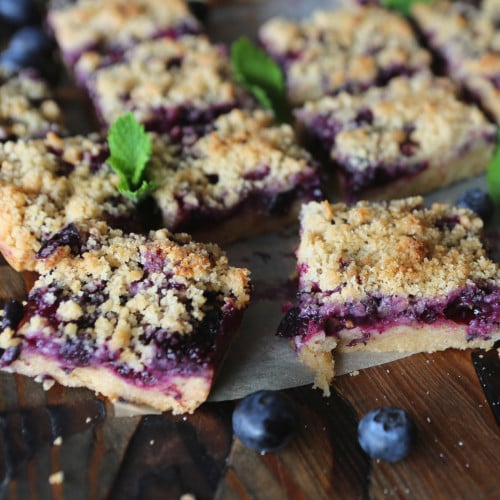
{"points": [[57, 477], [354, 373], [58, 441]]}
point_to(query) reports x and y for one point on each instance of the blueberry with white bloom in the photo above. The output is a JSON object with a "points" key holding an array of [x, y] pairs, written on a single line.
{"points": [[387, 433]]}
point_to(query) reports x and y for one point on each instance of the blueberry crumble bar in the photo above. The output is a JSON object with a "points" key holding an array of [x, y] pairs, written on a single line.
{"points": [[409, 137], [111, 26], [147, 319], [466, 36], [245, 177], [349, 50], [391, 276], [46, 184], [27, 107], [166, 84]]}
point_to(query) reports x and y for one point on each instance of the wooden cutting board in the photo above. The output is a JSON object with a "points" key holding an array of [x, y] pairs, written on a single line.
{"points": [[457, 453]]}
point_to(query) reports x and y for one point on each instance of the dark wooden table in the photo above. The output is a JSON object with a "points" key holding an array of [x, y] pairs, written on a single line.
{"points": [[457, 453]]}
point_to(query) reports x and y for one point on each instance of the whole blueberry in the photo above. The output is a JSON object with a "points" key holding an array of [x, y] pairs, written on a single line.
{"points": [[12, 314], [479, 201], [199, 10], [20, 12], [31, 39], [265, 421], [386, 433]]}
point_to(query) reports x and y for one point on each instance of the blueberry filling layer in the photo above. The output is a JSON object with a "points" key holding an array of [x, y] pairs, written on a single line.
{"points": [[174, 355], [277, 203], [115, 52], [477, 307]]}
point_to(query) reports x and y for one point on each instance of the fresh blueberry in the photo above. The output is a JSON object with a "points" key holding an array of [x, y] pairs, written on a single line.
{"points": [[199, 10], [479, 201], [19, 12], [12, 314], [386, 433], [265, 421], [30, 47], [31, 39]]}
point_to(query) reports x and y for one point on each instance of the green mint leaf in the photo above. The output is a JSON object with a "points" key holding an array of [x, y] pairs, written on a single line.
{"points": [[130, 148], [137, 193], [260, 75], [493, 173], [403, 6]]}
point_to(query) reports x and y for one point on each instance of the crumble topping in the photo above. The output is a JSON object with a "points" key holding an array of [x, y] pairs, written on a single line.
{"points": [[467, 37], [245, 153], [160, 74], [392, 248], [47, 183], [116, 23], [408, 121], [27, 108], [123, 288], [335, 50]]}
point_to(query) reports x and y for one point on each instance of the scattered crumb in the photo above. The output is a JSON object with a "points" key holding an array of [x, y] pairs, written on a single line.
{"points": [[428, 419], [388, 371], [354, 373], [48, 383], [88, 420], [467, 466], [57, 477], [187, 496], [58, 441], [152, 442], [184, 418], [460, 443]]}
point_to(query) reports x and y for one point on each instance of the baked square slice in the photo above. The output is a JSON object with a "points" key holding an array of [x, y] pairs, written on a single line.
{"points": [[166, 84], [391, 276], [47, 183], [27, 107], [466, 36], [111, 26], [409, 137], [245, 177], [147, 319], [344, 49]]}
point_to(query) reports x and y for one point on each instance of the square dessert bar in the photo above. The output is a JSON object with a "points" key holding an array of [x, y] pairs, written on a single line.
{"points": [[27, 107], [166, 84], [147, 319], [111, 26], [245, 177], [349, 50], [409, 137], [465, 37], [391, 276], [46, 184]]}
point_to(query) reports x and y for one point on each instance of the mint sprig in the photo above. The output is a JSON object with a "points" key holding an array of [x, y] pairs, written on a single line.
{"points": [[261, 76], [403, 6], [493, 172], [130, 148]]}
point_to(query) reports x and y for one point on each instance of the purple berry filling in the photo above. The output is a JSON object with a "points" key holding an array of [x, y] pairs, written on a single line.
{"points": [[175, 355], [307, 188], [476, 306], [115, 52]]}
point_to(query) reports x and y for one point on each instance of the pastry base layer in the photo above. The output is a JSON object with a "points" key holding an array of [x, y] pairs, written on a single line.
{"points": [[318, 352], [182, 394], [435, 176], [246, 225]]}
